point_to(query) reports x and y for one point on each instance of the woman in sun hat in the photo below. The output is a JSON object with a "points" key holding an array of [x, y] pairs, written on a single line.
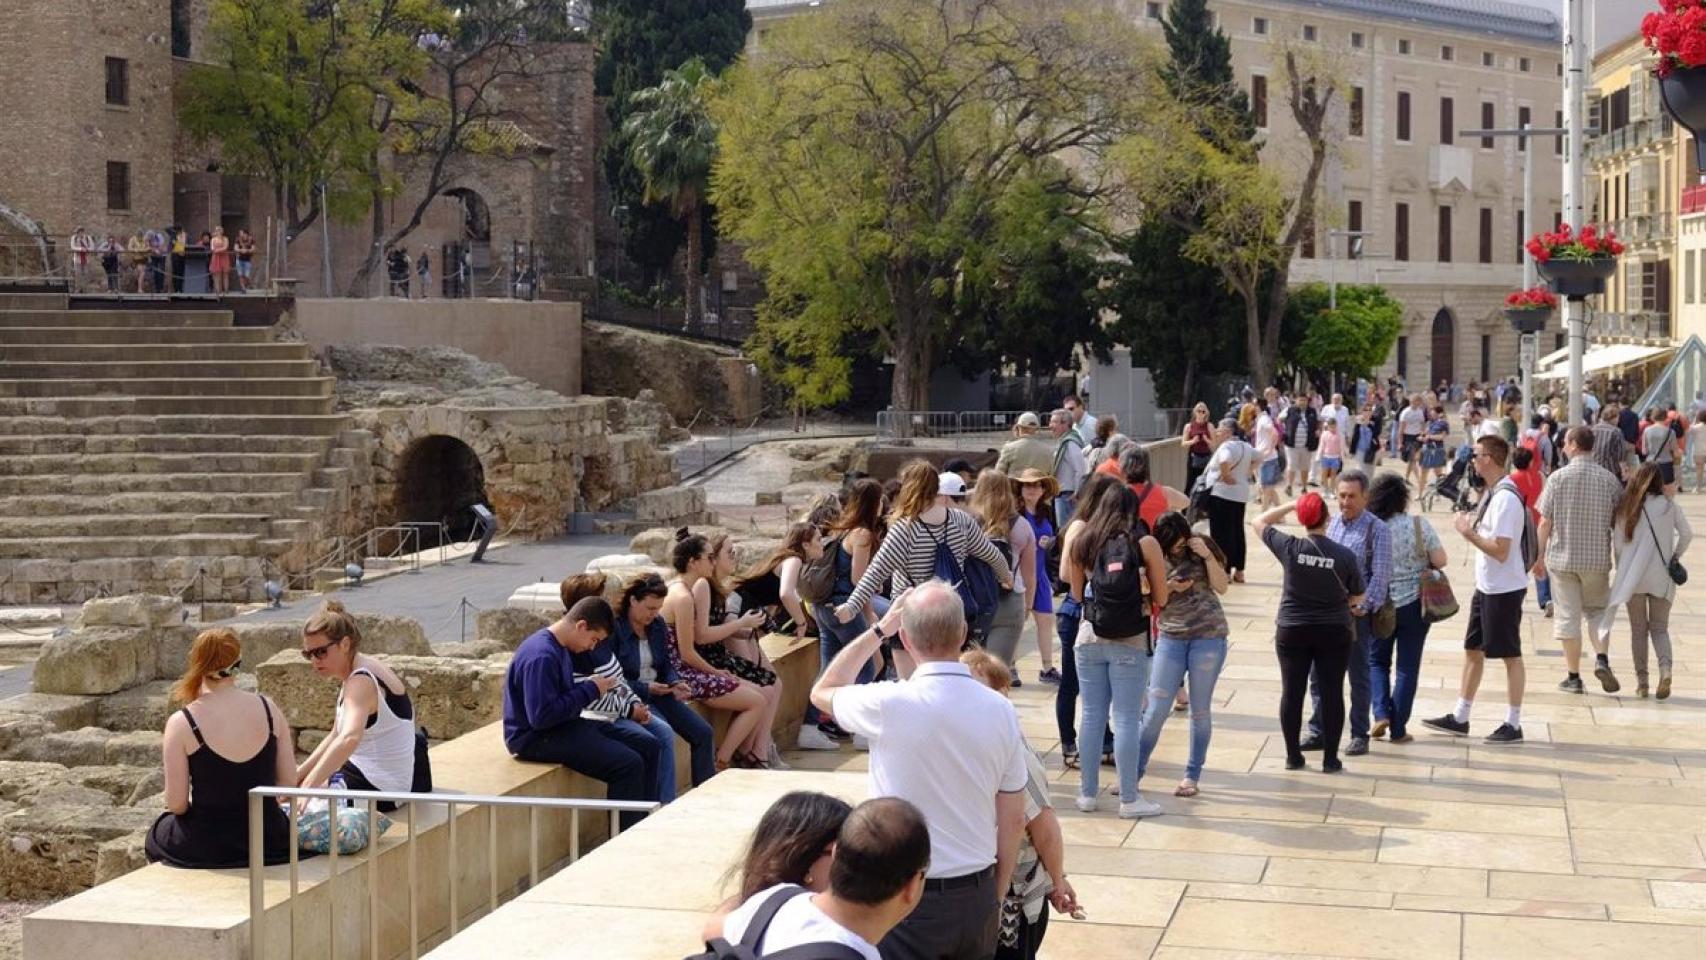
{"points": [[1035, 490]]}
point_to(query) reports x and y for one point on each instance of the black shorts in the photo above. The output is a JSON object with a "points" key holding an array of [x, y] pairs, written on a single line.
{"points": [[1408, 446], [1667, 472], [1495, 624]]}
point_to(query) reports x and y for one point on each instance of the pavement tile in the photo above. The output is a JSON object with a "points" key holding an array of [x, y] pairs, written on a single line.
{"points": [[1679, 895], [1662, 849], [1449, 848], [1502, 938], [1510, 885], [1468, 817], [1321, 930], [1389, 877], [1498, 907], [1255, 837]]}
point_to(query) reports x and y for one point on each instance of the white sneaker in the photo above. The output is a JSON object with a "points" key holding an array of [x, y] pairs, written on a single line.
{"points": [[1140, 808], [1087, 804], [811, 738], [861, 742]]}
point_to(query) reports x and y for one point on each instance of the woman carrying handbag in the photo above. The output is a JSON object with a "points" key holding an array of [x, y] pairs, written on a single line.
{"points": [[1650, 536], [1417, 556]]}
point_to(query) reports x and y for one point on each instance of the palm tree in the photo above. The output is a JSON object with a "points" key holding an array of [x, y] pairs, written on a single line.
{"points": [[672, 142]]}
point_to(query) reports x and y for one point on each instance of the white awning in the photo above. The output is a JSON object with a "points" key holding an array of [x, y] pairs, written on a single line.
{"points": [[1551, 358], [1605, 358]]}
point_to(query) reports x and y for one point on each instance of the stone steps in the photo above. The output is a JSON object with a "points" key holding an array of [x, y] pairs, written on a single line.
{"points": [[51, 444], [173, 387], [136, 368], [181, 352], [118, 525], [148, 545], [123, 406], [157, 484], [81, 335], [48, 315], [70, 468], [263, 425], [90, 500], [32, 301]]}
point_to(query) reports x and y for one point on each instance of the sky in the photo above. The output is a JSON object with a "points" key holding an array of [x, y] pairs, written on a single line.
{"points": [[1616, 18]]}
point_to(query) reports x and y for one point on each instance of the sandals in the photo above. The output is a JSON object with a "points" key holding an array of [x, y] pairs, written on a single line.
{"points": [[1069, 758], [1187, 788]]}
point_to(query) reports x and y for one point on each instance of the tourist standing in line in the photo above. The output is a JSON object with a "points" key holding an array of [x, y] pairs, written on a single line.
{"points": [[1083, 423], [219, 260], [1302, 437], [1269, 453], [1367, 539], [639, 644], [918, 524], [1035, 490], [1026, 451], [1198, 441], [136, 261], [688, 616], [1069, 463], [1495, 613], [112, 251], [157, 248], [179, 250], [1577, 508], [1232, 464], [950, 746], [996, 507], [1609, 448], [1153, 499], [423, 270], [1313, 626], [1652, 533], [1116, 574], [83, 249], [244, 252], [1096, 487], [854, 537], [1191, 642], [1416, 552]]}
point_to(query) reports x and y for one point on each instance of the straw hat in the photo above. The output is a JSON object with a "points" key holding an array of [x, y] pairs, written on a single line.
{"points": [[1051, 486]]}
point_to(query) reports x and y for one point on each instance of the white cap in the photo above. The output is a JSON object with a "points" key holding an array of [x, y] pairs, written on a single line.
{"points": [[951, 485]]}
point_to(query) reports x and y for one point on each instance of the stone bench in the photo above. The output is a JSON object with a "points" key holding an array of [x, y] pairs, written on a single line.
{"points": [[165, 913], [796, 663]]}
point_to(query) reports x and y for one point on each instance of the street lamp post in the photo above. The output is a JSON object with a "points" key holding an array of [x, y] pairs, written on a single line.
{"points": [[1575, 76], [1355, 252], [1528, 349]]}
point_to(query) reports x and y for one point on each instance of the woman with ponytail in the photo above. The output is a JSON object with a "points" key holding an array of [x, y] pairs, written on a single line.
{"points": [[223, 743]]}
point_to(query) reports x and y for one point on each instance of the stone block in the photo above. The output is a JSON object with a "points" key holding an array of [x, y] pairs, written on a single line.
{"points": [[84, 747], [119, 782], [472, 650], [150, 791], [51, 851], [380, 633], [451, 696], [18, 777], [95, 660], [16, 729], [171, 650], [618, 560], [121, 855], [507, 626], [62, 793], [43, 571], [133, 610], [542, 598], [138, 747], [217, 612], [659, 541], [767, 498], [59, 711], [145, 707], [668, 503]]}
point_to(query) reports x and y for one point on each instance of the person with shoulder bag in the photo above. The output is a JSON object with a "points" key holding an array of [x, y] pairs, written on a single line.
{"points": [[1417, 557], [1650, 536]]}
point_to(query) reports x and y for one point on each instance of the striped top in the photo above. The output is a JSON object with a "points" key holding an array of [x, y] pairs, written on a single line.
{"points": [[619, 701], [908, 554]]}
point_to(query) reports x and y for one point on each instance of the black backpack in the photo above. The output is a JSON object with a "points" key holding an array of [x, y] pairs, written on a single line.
{"points": [[1117, 605], [747, 948]]}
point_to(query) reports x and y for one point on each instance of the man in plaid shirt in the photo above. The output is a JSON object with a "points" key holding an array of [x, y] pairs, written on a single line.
{"points": [[1364, 535], [1577, 510]]}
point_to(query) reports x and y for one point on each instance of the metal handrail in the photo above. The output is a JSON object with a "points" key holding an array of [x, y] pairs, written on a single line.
{"points": [[259, 796]]}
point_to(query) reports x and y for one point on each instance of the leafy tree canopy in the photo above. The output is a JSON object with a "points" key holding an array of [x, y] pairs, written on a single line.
{"points": [[1351, 341]]}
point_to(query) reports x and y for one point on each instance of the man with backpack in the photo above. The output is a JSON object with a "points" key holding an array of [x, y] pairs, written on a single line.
{"points": [[1501, 532], [876, 878], [1577, 510]]}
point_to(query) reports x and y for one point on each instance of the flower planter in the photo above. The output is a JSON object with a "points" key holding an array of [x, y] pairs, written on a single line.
{"points": [[1578, 279], [1684, 93], [1529, 320]]}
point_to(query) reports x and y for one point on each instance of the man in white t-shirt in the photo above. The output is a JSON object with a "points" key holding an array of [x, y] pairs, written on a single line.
{"points": [[1338, 412], [1501, 582], [951, 746], [876, 878]]}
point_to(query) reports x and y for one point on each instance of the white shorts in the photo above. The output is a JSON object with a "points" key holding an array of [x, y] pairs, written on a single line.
{"points": [[1297, 460]]}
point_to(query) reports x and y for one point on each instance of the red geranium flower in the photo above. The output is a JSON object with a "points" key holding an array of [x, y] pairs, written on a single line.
{"points": [[1534, 298], [1564, 244]]}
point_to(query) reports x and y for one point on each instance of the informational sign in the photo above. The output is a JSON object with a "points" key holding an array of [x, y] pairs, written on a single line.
{"points": [[1530, 353]]}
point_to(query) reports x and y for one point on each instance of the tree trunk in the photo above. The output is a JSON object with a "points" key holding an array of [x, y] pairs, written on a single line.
{"points": [[913, 353], [1190, 382], [361, 285], [692, 280], [1261, 363]]}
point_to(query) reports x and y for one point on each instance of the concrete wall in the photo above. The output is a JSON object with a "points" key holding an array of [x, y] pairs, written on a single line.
{"points": [[540, 341]]}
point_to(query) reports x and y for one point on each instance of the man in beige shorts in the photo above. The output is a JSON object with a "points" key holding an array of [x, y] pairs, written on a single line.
{"points": [[1576, 513]]}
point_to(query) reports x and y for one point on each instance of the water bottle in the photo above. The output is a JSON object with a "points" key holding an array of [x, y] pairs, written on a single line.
{"points": [[338, 783]]}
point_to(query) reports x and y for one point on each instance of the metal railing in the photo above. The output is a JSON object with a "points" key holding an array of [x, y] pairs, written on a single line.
{"points": [[54, 257], [260, 796], [1636, 325], [928, 424]]}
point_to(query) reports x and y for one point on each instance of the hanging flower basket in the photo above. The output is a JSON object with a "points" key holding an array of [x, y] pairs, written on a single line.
{"points": [[1530, 311], [1676, 32], [1577, 265]]}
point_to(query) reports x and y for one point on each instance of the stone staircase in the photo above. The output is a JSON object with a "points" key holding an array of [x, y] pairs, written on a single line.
{"points": [[161, 451]]}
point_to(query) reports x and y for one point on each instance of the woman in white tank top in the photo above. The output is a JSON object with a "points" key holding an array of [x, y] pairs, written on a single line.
{"points": [[375, 744]]}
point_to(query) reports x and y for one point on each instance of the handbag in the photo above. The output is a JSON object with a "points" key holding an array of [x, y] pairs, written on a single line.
{"points": [[1673, 566], [314, 827], [1438, 600]]}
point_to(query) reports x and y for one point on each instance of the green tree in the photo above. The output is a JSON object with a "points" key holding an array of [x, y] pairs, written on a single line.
{"points": [[1199, 72], [672, 142], [638, 40], [866, 155], [1349, 342]]}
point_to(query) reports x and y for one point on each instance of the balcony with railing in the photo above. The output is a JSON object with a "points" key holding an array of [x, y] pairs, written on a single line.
{"points": [[1646, 228], [1637, 135], [1640, 326], [1693, 200]]}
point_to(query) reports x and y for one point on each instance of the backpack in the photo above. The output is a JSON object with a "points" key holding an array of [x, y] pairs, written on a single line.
{"points": [[975, 582], [1530, 544], [817, 577], [747, 948], [1117, 605]]}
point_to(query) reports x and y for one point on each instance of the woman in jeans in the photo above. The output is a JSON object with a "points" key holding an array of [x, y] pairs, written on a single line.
{"points": [[1066, 620], [1416, 552], [1650, 532], [1112, 670], [997, 508], [854, 536], [1192, 642]]}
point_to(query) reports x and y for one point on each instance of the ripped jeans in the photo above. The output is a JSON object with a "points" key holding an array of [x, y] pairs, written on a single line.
{"points": [[1199, 658]]}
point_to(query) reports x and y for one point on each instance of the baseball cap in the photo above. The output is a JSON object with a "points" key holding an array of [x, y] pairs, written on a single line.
{"points": [[951, 485], [1029, 421]]}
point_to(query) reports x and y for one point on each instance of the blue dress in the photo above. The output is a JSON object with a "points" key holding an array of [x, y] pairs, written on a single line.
{"points": [[1044, 602]]}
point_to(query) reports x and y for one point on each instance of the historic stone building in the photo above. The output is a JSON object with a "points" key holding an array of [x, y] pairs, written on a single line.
{"points": [[92, 140]]}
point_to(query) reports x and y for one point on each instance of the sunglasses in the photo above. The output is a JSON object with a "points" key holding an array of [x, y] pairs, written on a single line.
{"points": [[319, 652]]}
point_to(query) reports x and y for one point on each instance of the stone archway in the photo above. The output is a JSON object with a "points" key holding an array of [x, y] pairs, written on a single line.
{"points": [[24, 251], [439, 480], [1444, 348]]}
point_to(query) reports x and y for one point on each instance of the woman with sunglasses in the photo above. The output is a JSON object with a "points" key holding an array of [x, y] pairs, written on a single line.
{"points": [[375, 743], [205, 825], [1198, 440]]}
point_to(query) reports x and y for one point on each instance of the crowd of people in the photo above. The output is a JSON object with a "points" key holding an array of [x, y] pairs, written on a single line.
{"points": [[156, 260]]}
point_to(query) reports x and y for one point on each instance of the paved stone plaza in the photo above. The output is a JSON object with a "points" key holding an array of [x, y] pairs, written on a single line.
{"points": [[1588, 840]]}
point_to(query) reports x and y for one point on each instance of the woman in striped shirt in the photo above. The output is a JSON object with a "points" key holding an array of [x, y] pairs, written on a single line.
{"points": [[917, 526]]}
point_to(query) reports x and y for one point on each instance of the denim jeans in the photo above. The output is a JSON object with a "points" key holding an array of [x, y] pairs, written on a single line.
{"points": [[1543, 591], [832, 636], [1392, 697], [1063, 506], [1112, 675], [1066, 620], [696, 730], [661, 737], [584, 746], [1357, 720], [1175, 658]]}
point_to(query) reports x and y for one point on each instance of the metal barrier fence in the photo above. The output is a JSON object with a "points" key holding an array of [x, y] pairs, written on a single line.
{"points": [[260, 796], [927, 424]]}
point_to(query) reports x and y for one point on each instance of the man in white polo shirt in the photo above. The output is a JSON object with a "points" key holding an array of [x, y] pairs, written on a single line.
{"points": [[950, 746]]}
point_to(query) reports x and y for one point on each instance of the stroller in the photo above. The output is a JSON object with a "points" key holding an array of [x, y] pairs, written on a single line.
{"points": [[1449, 486]]}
